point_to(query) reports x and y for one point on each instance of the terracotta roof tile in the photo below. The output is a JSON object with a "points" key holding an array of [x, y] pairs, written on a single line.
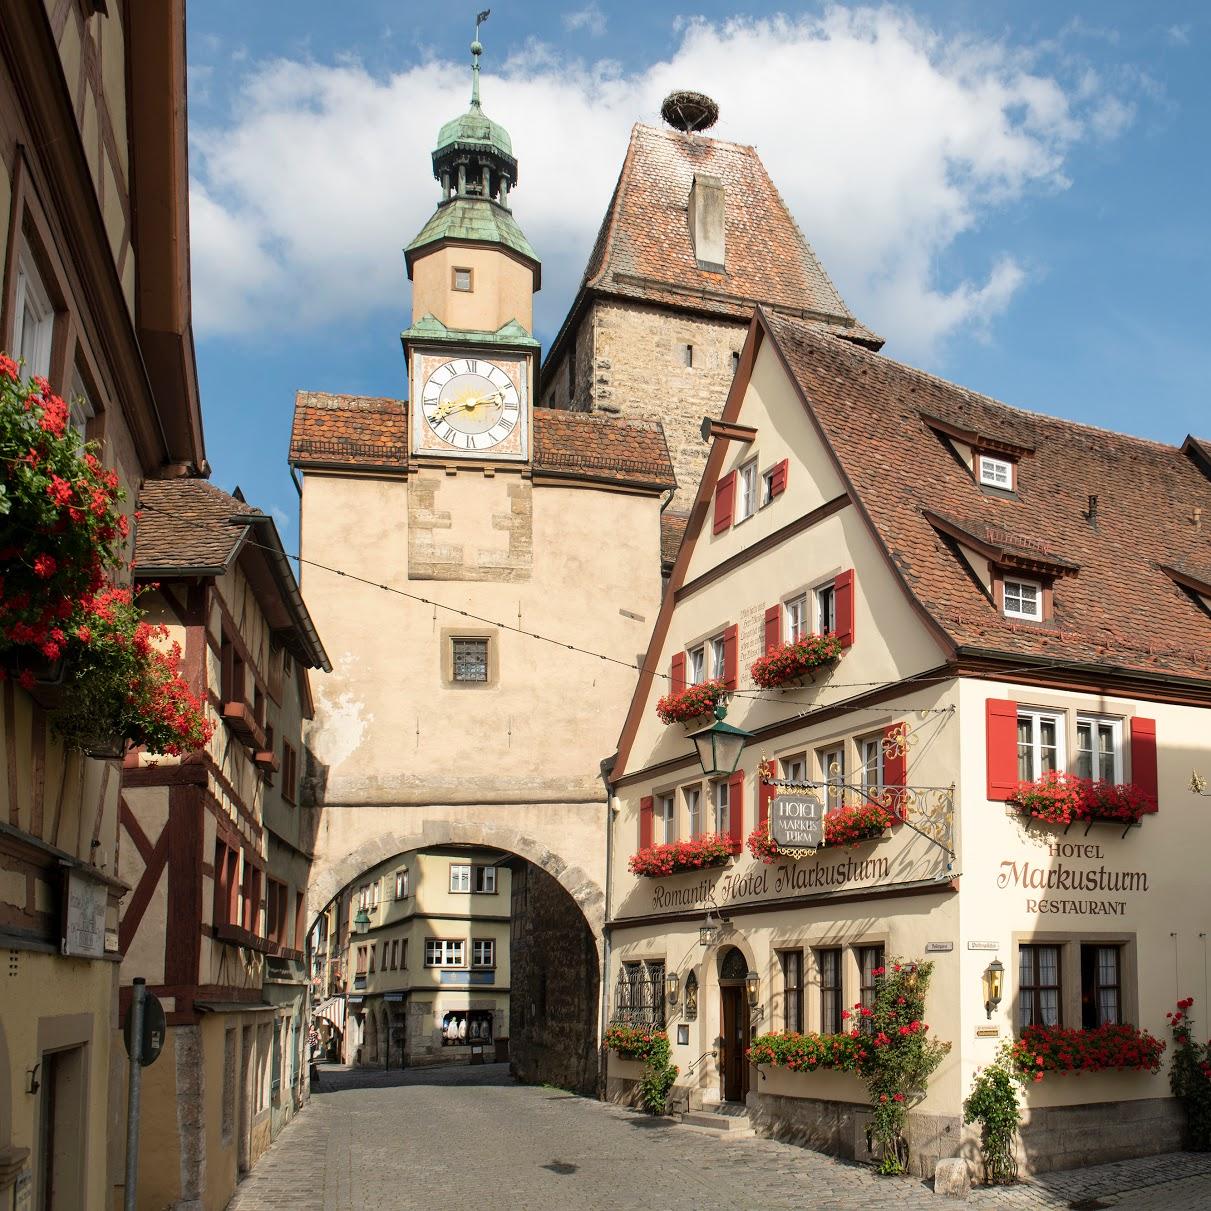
{"points": [[644, 250], [186, 523], [1118, 609], [672, 530], [353, 431]]}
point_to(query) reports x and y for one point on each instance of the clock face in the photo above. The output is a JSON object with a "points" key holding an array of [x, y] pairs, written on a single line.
{"points": [[470, 404]]}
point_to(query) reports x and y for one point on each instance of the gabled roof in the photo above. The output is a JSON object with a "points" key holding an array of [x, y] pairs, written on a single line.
{"points": [[1116, 608], [190, 528], [644, 251], [361, 431]]}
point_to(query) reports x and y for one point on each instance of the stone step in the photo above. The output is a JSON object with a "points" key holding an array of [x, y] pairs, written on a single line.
{"points": [[732, 1125]]}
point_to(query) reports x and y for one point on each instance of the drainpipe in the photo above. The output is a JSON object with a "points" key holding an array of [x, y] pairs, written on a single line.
{"points": [[607, 767]]}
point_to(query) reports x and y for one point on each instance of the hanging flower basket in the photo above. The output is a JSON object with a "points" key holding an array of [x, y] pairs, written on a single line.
{"points": [[699, 853], [792, 663], [41, 677], [1062, 798], [693, 704]]}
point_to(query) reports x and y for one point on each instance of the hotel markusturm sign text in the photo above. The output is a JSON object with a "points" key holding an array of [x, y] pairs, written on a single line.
{"points": [[796, 822], [1061, 884]]}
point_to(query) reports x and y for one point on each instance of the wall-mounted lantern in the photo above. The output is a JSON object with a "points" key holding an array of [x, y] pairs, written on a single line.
{"points": [[752, 985], [672, 984], [720, 745], [361, 922], [994, 976]]}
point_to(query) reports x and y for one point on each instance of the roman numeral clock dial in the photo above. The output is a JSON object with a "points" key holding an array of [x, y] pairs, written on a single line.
{"points": [[470, 406]]}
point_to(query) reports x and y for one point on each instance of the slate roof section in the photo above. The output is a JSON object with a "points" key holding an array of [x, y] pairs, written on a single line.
{"points": [[361, 431], [348, 430], [185, 524], [1119, 610], [644, 250]]}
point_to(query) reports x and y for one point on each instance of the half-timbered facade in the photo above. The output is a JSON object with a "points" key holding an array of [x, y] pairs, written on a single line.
{"points": [[94, 253], [214, 923], [1002, 599]]}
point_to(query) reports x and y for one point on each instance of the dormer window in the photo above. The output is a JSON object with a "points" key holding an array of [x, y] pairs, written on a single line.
{"points": [[1023, 599], [994, 472]]}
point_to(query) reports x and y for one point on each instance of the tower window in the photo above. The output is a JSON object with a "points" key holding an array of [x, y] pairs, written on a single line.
{"points": [[463, 280], [687, 355], [735, 361]]}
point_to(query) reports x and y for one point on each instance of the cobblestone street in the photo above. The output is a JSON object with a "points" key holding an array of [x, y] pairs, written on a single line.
{"points": [[470, 1136]]}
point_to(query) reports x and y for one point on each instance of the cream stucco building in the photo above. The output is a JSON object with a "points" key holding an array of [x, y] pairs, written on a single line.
{"points": [[1008, 601]]}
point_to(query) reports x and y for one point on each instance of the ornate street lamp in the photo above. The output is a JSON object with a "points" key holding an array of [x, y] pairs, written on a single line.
{"points": [[361, 922], [720, 745], [993, 985]]}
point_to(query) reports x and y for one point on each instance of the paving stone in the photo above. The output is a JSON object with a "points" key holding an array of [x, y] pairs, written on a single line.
{"points": [[469, 1136]]}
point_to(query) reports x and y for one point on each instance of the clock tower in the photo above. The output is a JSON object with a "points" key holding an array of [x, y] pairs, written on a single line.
{"points": [[470, 350]]}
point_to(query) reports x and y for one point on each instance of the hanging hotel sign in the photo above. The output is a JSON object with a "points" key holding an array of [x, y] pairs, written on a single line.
{"points": [[796, 823]]}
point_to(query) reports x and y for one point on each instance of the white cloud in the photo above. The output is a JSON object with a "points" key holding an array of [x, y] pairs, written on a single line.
{"points": [[888, 141], [590, 18], [1179, 35]]}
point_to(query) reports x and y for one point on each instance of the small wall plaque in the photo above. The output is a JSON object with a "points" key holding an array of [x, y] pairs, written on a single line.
{"points": [[983, 945], [683, 1035], [938, 948], [988, 1032]]}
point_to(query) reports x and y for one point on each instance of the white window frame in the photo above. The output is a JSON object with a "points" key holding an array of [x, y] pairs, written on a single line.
{"points": [[795, 612], [81, 408], [485, 876], [445, 952], [1095, 723], [32, 297], [695, 665], [1018, 612], [718, 656], [665, 815], [746, 491], [460, 878], [868, 746], [692, 795], [721, 806], [1037, 717], [995, 472], [826, 608], [794, 768], [767, 486], [403, 884], [834, 783], [477, 945]]}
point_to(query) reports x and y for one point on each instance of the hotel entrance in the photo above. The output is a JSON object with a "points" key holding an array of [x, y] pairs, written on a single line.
{"points": [[735, 1025]]}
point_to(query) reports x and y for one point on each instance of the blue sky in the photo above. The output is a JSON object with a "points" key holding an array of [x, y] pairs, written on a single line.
{"points": [[1014, 194]]}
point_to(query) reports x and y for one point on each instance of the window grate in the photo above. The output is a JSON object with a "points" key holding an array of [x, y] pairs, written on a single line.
{"points": [[639, 995], [470, 660]]}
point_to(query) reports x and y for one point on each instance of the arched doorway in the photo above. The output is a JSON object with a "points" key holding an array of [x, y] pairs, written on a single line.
{"points": [[734, 1024]]}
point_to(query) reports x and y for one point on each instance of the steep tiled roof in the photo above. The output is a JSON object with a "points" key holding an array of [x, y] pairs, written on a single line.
{"points": [[358, 431], [644, 250], [185, 523], [626, 451], [1117, 609], [350, 430], [672, 530]]}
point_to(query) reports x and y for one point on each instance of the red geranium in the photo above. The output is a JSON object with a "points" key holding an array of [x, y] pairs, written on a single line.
{"points": [[698, 853], [694, 701], [786, 661], [1043, 1049]]}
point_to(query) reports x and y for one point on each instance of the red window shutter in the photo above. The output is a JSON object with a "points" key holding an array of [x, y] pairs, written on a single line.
{"points": [[1143, 756], [735, 809], [725, 496], [1002, 719], [677, 674], [765, 795], [645, 821], [773, 628], [895, 764], [777, 479], [730, 666], [843, 607]]}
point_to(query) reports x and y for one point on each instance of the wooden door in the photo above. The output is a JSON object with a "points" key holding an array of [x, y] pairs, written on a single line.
{"points": [[735, 1017]]}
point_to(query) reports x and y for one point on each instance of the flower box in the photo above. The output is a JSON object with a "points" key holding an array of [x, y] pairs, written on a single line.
{"points": [[632, 1042], [810, 1052], [848, 826], [1055, 1049], [791, 664], [1065, 799], [693, 705], [39, 676], [675, 857], [239, 717]]}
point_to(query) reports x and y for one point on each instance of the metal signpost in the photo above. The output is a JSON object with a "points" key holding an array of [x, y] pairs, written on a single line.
{"points": [[144, 1036]]}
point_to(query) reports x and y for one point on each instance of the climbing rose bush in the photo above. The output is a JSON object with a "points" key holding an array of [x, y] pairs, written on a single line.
{"points": [[692, 702], [655, 861], [786, 661], [1044, 1049], [1190, 1076]]}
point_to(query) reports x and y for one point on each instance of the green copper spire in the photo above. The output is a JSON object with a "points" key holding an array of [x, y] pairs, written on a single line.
{"points": [[474, 163]]}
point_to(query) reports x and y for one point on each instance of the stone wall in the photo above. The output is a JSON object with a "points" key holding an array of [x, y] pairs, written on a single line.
{"points": [[555, 985], [631, 363], [1069, 1137]]}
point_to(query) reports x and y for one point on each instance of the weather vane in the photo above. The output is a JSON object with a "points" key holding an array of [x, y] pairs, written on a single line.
{"points": [[477, 49]]}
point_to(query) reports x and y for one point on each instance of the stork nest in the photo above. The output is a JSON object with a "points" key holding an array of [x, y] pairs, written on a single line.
{"points": [[689, 111]]}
